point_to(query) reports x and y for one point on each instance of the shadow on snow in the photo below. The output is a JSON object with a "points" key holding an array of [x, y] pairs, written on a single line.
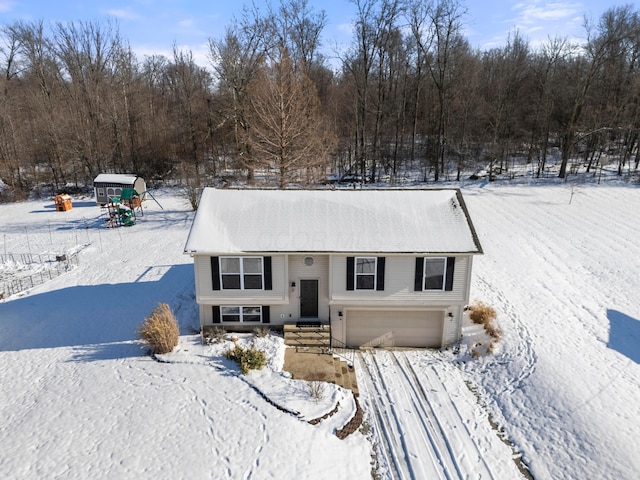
{"points": [[624, 334], [93, 314]]}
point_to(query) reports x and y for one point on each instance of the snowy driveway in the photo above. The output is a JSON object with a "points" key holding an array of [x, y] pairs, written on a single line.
{"points": [[426, 422]]}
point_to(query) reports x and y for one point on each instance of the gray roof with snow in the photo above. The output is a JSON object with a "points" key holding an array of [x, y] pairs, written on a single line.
{"points": [[121, 178], [429, 221]]}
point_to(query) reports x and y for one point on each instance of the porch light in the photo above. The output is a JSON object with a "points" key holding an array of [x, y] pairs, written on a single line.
{"points": [[293, 284], [340, 313]]}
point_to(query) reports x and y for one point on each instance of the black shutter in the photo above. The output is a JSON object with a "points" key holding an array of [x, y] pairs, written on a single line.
{"points": [[267, 274], [216, 314], [215, 273], [380, 274], [350, 272], [266, 317], [451, 263], [418, 285]]}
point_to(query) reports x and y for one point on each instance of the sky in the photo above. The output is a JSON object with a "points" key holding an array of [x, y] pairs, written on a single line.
{"points": [[154, 26]]}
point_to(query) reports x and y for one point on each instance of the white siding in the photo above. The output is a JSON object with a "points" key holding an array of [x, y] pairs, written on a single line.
{"points": [[318, 271], [299, 271], [399, 284], [206, 295], [452, 325]]}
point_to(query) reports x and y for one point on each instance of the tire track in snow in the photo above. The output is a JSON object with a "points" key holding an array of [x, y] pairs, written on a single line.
{"points": [[463, 448], [412, 441], [384, 426]]}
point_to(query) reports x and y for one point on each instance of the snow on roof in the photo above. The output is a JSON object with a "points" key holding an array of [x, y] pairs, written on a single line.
{"points": [[383, 221], [124, 178]]}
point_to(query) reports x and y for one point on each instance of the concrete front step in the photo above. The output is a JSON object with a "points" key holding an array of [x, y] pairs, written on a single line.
{"points": [[307, 341], [308, 333], [294, 328], [307, 337], [323, 335]]}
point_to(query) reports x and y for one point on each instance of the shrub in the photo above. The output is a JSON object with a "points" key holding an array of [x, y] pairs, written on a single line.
{"points": [[317, 385], [485, 315], [247, 358], [215, 335], [493, 331], [160, 330], [261, 332], [481, 313]]}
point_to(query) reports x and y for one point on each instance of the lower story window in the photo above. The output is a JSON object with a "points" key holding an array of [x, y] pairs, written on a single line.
{"points": [[241, 314]]}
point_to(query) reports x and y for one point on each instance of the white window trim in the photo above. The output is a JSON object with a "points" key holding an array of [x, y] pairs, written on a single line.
{"points": [[356, 274], [241, 313], [424, 274], [241, 273]]}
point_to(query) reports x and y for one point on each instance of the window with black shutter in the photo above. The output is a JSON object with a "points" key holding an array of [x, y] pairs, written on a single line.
{"points": [[350, 272], [380, 274], [240, 314], [434, 273], [215, 273], [365, 273], [243, 273]]}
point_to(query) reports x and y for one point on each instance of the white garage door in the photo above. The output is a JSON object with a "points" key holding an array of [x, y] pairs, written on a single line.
{"points": [[397, 328]]}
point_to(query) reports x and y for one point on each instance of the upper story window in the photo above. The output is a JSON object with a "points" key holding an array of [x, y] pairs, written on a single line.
{"points": [[365, 273], [434, 273], [241, 273]]}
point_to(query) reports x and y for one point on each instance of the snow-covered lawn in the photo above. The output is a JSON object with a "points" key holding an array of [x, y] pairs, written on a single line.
{"points": [[564, 275], [80, 398]]}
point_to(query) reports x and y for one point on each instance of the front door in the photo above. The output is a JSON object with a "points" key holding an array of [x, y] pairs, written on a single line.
{"points": [[309, 298]]}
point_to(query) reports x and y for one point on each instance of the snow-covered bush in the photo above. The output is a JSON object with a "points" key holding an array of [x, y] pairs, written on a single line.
{"points": [[248, 358], [261, 332], [215, 335], [160, 330]]}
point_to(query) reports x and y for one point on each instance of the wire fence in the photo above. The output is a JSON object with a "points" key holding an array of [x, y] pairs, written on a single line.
{"points": [[19, 272]]}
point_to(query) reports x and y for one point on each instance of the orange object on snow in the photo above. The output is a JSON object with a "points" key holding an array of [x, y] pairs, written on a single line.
{"points": [[63, 203]]}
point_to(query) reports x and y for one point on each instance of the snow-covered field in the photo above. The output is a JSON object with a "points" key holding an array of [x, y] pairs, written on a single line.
{"points": [[564, 275], [80, 398]]}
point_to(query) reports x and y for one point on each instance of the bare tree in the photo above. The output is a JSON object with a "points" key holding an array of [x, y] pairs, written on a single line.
{"points": [[189, 84], [88, 53], [437, 28], [602, 40], [236, 60], [9, 142], [287, 133], [43, 70], [299, 29]]}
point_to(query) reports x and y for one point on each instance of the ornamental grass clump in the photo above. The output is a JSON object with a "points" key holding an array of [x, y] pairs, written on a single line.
{"points": [[481, 313], [160, 330], [485, 315], [248, 358]]}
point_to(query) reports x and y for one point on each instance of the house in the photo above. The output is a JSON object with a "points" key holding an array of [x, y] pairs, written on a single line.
{"points": [[381, 267], [108, 185]]}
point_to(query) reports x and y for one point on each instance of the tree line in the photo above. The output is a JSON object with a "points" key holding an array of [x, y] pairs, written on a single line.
{"points": [[409, 95]]}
